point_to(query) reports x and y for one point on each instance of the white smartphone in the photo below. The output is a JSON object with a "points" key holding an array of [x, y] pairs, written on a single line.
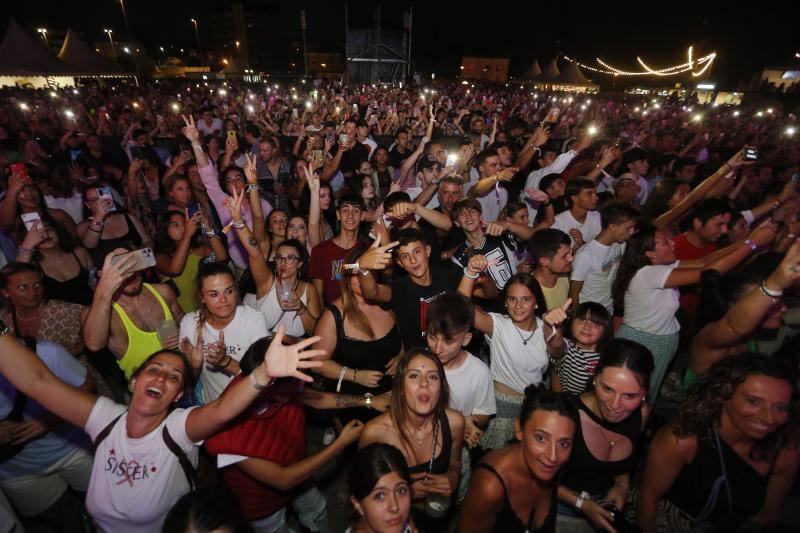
{"points": [[145, 258], [30, 219]]}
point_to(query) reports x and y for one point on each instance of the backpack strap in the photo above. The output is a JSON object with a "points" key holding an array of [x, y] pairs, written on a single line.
{"points": [[105, 431], [186, 465]]}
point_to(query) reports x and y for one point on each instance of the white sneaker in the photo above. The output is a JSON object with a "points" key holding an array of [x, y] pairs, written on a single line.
{"points": [[329, 436]]}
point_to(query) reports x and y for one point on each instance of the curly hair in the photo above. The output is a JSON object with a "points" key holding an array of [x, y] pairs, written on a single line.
{"points": [[701, 406]]}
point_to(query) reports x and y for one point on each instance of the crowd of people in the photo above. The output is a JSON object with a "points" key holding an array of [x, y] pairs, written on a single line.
{"points": [[503, 309]]}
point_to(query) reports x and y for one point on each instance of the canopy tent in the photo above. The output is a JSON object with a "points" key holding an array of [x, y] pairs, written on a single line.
{"points": [[23, 61], [533, 72], [549, 73], [571, 75], [79, 55]]}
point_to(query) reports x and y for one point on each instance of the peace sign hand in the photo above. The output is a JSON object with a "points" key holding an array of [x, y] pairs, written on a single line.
{"points": [[377, 257], [190, 131]]}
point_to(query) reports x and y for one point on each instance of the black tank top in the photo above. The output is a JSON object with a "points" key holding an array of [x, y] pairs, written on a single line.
{"points": [[507, 521], [718, 486], [362, 355], [584, 471], [74, 290], [131, 237], [441, 462]]}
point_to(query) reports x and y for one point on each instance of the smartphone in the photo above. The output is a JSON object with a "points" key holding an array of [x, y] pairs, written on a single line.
{"points": [[317, 159], [193, 208], [231, 135], [144, 259], [451, 160], [29, 219], [21, 168], [104, 193], [344, 138], [750, 154]]}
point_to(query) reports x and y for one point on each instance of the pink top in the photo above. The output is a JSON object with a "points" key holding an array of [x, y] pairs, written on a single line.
{"points": [[210, 179]]}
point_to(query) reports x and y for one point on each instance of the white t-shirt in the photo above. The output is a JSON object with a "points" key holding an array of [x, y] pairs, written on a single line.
{"points": [[590, 227], [471, 388], [73, 206], [205, 129], [514, 363], [270, 307], [369, 143], [596, 266], [649, 307], [246, 327], [135, 482]]}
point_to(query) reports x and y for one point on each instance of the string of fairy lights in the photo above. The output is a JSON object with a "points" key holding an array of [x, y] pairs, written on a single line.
{"points": [[697, 67]]}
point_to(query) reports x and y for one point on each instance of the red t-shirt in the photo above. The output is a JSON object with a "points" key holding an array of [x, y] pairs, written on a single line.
{"points": [[326, 257], [685, 251]]}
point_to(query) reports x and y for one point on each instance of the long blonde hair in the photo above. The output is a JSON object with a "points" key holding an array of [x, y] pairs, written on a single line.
{"points": [[349, 299]]}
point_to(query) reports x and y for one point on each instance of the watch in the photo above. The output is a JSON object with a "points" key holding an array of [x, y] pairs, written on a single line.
{"points": [[582, 498], [368, 400]]}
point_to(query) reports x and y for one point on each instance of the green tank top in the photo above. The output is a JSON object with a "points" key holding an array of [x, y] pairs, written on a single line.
{"points": [[187, 284], [141, 344]]}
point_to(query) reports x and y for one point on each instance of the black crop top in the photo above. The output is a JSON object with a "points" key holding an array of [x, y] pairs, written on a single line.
{"points": [[586, 472]]}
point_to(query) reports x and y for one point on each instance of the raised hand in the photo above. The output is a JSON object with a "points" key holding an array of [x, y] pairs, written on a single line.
{"points": [[377, 257], [250, 171], [555, 317], [537, 195], [495, 229], [507, 173], [788, 271], [234, 205], [287, 361], [35, 236], [216, 353], [577, 236], [764, 233], [540, 136], [114, 275], [190, 131], [403, 209]]}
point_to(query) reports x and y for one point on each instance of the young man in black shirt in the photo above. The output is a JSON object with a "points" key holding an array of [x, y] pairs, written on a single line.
{"points": [[411, 294]]}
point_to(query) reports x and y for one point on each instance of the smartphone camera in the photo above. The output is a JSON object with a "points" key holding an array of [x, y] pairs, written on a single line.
{"points": [[750, 154]]}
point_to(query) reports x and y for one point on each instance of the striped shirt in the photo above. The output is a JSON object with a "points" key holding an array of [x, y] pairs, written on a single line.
{"points": [[575, 368]]}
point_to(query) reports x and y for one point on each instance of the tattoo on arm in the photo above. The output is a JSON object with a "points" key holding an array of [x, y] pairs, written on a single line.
{"points": [[251, 240], [344, 401]]}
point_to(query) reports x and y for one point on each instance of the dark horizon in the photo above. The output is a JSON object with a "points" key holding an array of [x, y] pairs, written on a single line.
{"points": [[745, 38]]}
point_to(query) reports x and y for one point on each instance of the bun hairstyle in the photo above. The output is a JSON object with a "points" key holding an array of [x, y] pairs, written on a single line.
{"points": [[538, 397]]}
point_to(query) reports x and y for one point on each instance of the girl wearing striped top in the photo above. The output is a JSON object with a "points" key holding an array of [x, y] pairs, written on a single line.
{"points": [[572, 370]]}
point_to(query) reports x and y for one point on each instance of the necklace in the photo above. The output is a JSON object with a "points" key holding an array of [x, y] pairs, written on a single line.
{"points": [[19, 315], [521, 336], [418, 440], [611, 443]]}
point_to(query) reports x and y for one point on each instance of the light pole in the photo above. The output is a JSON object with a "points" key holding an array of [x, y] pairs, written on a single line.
{"points": [[130, 39], [199, 46], [111, 39], [43, 31]]}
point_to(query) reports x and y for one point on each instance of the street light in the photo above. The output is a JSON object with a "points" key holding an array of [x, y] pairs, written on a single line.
{"points": [[43, 31], [110, 38], [199, 46]]}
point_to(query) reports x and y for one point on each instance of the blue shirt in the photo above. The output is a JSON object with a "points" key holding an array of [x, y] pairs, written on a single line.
{"points": [[42, 452]]}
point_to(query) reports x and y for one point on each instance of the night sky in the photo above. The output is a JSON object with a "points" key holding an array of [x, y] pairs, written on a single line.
{"points": [[746, 35]]}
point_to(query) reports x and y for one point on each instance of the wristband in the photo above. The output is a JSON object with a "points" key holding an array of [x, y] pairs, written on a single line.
{"points": [[470, 276], [212, 234], [252, 187], [581, 498], [29, 251], [753, 246], [256, 384], [341, 377], [226, 365], [769, 292], [237, 225], [90, 228]]}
